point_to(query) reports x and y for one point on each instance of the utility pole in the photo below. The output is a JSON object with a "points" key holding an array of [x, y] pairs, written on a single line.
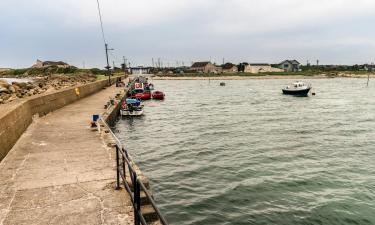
{"points": [[108, 67], [124, 65]]}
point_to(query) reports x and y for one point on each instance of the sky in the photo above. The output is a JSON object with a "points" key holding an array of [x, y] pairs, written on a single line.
{"points": [[176, 31]]}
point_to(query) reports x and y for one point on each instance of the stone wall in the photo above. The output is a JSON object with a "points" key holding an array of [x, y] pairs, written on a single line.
{"points": [[15, 119]]}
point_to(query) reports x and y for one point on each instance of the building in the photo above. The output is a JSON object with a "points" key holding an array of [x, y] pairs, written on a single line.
{"points": [[204, 67], [41, 64], [290, 66], [260, 68], [4, 69], [140, 70], [229, 68]]}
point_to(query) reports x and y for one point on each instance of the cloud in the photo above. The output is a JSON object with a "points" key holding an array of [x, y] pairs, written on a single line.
{"points": [[256, 30]]}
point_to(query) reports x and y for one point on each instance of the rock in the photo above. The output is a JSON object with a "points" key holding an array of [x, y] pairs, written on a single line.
{"points": [[29, 86], [12, 89], [16, 88], [18, 84], [4, 90]]}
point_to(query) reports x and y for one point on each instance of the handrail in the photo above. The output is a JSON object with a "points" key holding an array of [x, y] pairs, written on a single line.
{"points": [[122, 161], [137, 186]]}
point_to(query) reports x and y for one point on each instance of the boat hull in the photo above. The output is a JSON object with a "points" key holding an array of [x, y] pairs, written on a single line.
{"points": [[302, 92], [125, 112], [143, 96], [158, 95]]}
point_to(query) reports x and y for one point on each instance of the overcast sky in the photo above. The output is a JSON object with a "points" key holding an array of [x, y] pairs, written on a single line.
{"points": [[333, 31]]}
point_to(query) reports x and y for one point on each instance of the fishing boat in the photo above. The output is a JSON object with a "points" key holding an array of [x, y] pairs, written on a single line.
{"points": [[131, 107], [146, 95], [297, 89], [158, 95]]}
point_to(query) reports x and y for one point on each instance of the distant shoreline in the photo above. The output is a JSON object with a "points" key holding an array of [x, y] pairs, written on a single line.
{"points": [[260, 77]]}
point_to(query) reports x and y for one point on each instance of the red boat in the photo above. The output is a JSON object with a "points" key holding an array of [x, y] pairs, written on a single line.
{"points": [[143, 95], [158, 95]]}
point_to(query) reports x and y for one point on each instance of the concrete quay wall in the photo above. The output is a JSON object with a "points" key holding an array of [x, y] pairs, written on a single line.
{"points": [[17, 116]]}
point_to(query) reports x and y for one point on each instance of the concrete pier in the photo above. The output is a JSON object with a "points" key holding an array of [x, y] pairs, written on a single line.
{"points": [[61, 172]]}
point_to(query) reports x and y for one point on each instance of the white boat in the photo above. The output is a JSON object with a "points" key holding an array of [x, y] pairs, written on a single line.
{"points": [[127, 112], [298, 89], [131, 107]]}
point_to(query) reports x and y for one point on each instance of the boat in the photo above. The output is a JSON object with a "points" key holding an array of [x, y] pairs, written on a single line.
{"points": [[158, 95], [146, 95], [297, 89], [131, 107], [222, 84]]}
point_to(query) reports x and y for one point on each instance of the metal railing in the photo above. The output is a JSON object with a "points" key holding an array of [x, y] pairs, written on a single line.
{"points": [[123, 163]]}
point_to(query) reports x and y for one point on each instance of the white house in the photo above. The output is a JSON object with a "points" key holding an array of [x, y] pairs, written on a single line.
{"points": [[260, 68]]}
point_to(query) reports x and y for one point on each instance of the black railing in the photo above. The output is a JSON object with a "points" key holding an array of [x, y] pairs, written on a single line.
{"points": [[123, 163]]}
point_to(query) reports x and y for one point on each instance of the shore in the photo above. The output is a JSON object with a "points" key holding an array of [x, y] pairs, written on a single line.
{"points": [[296, 77], [13, 88]]}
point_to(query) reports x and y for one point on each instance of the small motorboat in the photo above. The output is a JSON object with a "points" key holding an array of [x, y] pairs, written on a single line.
{"points": [[143, 95], [222, 84], [131, 107], [158, 95], [297, 89]]}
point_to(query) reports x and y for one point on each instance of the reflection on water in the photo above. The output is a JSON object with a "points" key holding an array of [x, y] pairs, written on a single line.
{"points": [[246, 154]]}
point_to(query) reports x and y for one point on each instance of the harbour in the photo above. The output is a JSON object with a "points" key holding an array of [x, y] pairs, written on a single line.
{"points": [[224, 113], [247, 154]]}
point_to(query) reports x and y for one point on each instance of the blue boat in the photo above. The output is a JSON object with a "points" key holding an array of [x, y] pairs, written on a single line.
{"points": [[131, 107]]}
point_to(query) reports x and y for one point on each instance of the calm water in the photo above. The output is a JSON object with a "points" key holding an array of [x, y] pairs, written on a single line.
{"points": [[246, 154]]}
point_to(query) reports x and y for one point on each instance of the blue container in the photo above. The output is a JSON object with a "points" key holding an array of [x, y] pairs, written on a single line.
{"points": [[95, 118]]}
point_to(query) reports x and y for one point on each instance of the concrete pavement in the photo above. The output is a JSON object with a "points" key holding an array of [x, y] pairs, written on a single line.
{"points": [[61, 172]]}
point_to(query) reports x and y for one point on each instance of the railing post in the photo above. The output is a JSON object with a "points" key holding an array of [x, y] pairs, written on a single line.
{"points": [[117, 168], [138, 201], [123, 166], [135, 203]]}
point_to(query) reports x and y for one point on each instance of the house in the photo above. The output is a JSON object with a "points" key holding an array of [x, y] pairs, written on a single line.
{"points": [[260, 68], [4, 69], [140, 70], [229, 68], [204, 67], [41, 64], [290, 66]]}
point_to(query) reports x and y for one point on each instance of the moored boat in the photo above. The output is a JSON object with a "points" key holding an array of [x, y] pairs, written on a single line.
{"points": [[297, 89], [159, 95], [131, 107], [143, 95]]}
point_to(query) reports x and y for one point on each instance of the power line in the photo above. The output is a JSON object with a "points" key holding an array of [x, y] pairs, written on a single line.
{"points": [[101, 22]]}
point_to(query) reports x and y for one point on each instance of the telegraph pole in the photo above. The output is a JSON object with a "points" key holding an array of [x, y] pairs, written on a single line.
{"points": [[108, 67], [124, 64]]}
